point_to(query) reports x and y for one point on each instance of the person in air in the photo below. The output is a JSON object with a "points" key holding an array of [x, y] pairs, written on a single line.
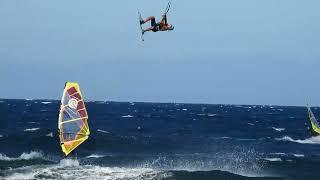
{"points": [[155, 27]]}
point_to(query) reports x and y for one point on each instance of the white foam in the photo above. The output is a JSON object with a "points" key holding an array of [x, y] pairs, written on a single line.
{"points": [[1, 136], [127, 116], [312, 140], [273, 159], [211, 115], [75, 171], [31, 129], [23, 156], [279, 129], [95, 156], [103, 131], [298, 155], [50, 134], [69, 163], [251, 124], [184, 109]]}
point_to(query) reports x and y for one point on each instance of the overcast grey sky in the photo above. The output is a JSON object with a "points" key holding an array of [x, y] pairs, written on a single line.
{"points": [[235, 52]]}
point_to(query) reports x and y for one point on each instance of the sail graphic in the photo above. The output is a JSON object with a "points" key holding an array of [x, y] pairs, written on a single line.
{"points": [[315, 126], [73, 119]]}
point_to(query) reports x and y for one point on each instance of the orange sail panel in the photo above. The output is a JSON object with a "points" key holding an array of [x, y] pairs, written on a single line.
{"points": [[73, 119]]}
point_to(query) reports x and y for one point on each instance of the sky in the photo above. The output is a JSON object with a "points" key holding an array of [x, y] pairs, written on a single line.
{"points": [[221, 52]]}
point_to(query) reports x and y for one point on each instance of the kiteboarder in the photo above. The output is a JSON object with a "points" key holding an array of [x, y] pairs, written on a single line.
{"points": [[163, 25]]}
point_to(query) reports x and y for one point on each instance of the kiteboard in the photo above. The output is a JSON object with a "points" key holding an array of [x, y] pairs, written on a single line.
{"points": [[141, 34]]}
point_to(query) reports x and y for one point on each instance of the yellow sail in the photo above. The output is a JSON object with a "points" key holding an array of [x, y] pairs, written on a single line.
{"points": [[73, 118], [315, 126]]}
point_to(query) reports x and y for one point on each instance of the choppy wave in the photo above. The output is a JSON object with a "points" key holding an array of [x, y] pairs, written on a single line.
{"points": [[31, 129], [23, 156], [312, 140]]}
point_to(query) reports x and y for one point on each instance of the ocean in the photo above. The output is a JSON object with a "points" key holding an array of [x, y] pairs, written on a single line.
{"points": [[133, 140]]}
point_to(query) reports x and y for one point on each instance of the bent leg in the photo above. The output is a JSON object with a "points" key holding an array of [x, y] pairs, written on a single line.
{"points": [[149, 19]]}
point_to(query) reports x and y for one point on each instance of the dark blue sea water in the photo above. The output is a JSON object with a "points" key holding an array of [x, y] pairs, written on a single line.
{"points": [[160, 141]]}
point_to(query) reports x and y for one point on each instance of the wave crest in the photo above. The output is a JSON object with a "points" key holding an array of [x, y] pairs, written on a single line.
{"points": [[23, 156]]}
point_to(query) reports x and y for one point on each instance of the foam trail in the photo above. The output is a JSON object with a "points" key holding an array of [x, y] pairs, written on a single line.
{"points": [[127, 116]]}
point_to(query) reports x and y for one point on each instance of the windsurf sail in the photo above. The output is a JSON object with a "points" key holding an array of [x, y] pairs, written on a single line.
{"points": [[313, 122], [73, 119]]}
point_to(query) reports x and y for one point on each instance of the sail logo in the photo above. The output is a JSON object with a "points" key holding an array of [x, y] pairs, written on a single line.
{"points": [[73, 103]]}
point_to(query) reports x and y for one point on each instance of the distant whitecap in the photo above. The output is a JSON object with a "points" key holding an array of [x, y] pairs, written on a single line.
{"points": [[31, 129], [273, 159], [127, 116], [102, 131], [298, 155], [95, 156], [279, 129], [46, 102]]}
